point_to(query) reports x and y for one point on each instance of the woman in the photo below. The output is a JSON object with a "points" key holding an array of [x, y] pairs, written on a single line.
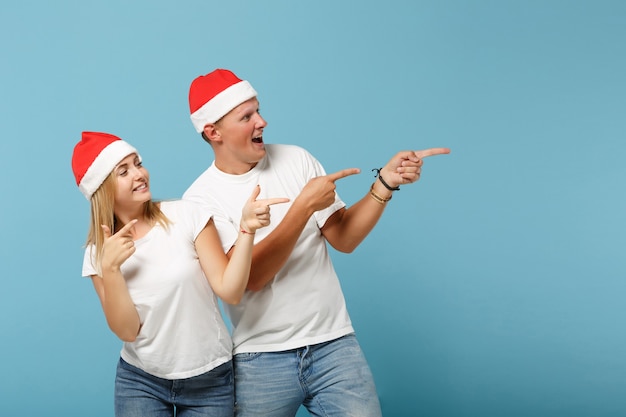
{"points": [[157, 268]]}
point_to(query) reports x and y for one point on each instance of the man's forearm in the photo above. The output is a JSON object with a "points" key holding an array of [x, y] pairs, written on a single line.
{"points": [[347, 230], [271, 254]]}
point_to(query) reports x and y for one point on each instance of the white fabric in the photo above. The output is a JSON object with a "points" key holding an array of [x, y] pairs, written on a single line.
{"points": [[102, 166], [304, 303], [182, 333], [222, 103]]}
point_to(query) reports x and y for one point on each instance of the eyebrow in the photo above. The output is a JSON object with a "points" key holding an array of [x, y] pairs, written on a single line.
{"points": [[125, 164], [252, 106]]}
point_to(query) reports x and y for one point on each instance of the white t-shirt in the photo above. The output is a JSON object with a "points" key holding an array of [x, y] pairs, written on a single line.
{"points": [[183, 333], [304, 303]]}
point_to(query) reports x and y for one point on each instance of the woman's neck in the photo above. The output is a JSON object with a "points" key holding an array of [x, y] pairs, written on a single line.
{"points": [[143, 225]]}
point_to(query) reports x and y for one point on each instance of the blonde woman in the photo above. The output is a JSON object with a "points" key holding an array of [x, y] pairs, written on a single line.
{"points": [[157, 268]]}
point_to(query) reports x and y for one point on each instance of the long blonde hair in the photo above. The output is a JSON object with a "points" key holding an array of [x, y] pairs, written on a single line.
{"points": [[102, 213]]}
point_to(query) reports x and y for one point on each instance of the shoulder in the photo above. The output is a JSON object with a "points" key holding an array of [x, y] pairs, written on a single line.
{"points": [[180, 207], [188, 218], [200, 189], [171, 205]]}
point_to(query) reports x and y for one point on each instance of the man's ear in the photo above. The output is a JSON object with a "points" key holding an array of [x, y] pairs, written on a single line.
{"points": [[211, 133]]}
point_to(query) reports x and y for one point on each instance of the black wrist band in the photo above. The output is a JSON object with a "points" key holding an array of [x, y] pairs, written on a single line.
{"points": [[383, 181]]}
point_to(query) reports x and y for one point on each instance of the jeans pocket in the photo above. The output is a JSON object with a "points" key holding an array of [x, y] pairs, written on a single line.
{"points": [[246, 357]]}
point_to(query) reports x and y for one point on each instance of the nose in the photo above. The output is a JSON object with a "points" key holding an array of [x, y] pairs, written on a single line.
{"points": [[138, 173], [260, 123]]}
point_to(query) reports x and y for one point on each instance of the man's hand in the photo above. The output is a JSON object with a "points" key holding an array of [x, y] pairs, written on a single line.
{"points": [[406, 166], [319, 192]]}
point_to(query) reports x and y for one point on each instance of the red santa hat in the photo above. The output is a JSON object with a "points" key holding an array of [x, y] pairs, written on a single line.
{"points": [[95, 157], [213, 95]]}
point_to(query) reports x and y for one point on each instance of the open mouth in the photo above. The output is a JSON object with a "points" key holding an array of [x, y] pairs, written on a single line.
{"points": [[258, 139], [141, 187]]}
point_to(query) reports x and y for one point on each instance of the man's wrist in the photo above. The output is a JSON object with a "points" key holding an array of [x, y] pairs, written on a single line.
{"points": [[380, 191], [382, 180], [301, 207]]}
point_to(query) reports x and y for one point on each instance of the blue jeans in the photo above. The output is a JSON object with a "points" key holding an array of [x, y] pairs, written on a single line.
{"points": [[329, 379], [139, 394]]}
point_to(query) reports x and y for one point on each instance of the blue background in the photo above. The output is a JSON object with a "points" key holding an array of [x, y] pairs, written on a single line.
{"points": [[493, 287]]}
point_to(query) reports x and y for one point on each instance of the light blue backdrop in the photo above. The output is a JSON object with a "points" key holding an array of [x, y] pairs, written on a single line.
{"points": [[493, 287]]}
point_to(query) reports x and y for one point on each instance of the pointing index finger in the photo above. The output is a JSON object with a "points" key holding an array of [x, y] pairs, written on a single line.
{"points": [[343, 173], [432, 151], [126, 229], [270, 201]]}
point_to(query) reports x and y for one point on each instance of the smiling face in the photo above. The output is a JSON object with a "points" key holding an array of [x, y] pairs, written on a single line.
{"points": [[132, 184], [237, 138]]}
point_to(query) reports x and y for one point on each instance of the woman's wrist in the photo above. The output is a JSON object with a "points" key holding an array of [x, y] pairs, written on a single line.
{"points": [[243, 230]]}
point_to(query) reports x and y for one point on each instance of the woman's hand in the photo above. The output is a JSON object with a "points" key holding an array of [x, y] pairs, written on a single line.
{"points": [[256, 213], [118, 247]]}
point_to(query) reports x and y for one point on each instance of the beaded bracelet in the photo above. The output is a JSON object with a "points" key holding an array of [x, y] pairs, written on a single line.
{"points": [[387, 186]]}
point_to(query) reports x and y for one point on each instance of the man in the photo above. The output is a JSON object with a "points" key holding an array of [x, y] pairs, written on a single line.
{"points": [[293, 339]]}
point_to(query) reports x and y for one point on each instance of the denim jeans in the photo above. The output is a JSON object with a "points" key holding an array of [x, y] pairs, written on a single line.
{"points": [[329, 379], [139, 394]]}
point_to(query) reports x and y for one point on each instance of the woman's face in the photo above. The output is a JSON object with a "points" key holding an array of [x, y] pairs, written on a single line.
{"points": [[133, 185]]}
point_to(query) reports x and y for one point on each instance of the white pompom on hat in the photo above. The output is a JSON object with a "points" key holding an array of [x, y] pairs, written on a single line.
{"points": [[95, 157], [213, 95]]}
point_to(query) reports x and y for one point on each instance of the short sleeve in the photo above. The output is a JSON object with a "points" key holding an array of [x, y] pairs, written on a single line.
{"points": [[89, 262]]}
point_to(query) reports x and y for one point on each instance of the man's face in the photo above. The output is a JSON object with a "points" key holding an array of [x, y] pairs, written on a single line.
{"points": [[240, 145]]}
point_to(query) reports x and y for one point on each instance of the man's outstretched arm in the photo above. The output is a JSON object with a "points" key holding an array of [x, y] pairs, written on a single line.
{"points": [[347, 228]]}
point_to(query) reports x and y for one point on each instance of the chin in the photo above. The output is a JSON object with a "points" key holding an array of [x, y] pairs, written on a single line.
{"points": [[145, 198]]}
